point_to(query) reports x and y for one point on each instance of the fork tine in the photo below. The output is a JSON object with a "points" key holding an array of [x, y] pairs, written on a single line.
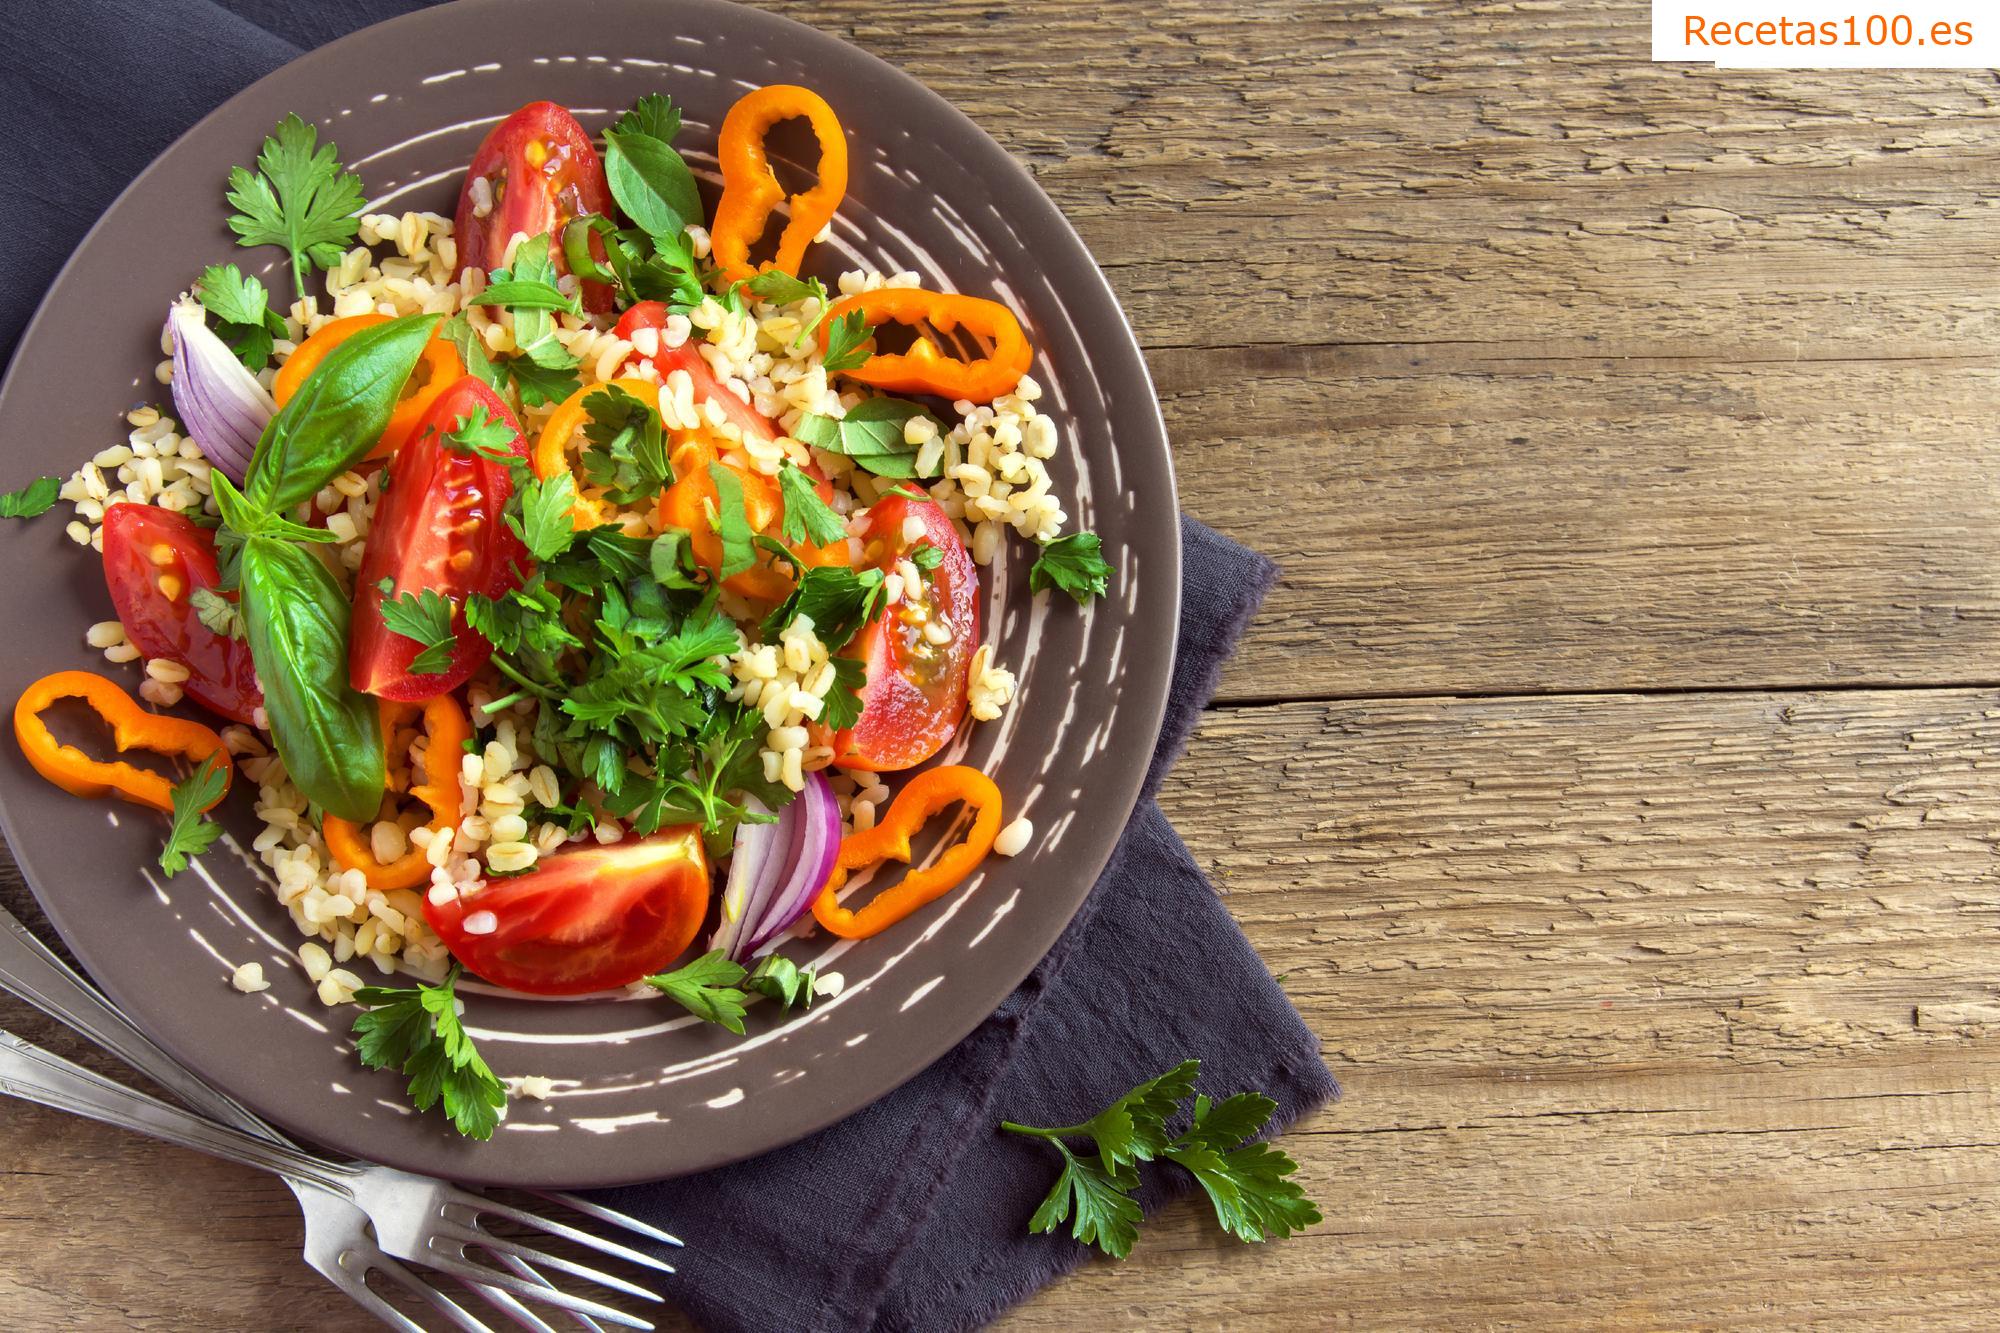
{"points": [[459, 1266], [577, 1234], [504, 1302], [359, 1293], [527, 1271], [610, 1216], [541, 1259], [426, 1291]]}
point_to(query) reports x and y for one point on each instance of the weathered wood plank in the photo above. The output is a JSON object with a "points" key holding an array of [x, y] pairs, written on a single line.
{"points": [[1673, 1011]]}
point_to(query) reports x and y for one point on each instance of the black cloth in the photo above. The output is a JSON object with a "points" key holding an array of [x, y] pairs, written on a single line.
{"points": [[912, 1213]]}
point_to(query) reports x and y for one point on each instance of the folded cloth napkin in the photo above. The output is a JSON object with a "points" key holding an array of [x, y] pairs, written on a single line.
{"points": [[911, 1214]]}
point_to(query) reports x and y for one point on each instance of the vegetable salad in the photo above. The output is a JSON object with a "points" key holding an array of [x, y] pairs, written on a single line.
{"points": [[567, 589]]}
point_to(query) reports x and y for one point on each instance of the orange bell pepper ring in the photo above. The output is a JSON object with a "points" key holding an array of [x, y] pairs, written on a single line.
{"points": [[750, 189], [925, 794], [437, 370], [447, 729], [925, 369], [132, 728], [565, 424]]}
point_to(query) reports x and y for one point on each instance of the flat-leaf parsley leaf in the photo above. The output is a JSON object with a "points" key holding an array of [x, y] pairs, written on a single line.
{"points": [[299, 197], [707, 989], [1075, 564], [807, 517], [426, 618], [192, 832], [1247, 1184], [418, 1031], [34, 498]]}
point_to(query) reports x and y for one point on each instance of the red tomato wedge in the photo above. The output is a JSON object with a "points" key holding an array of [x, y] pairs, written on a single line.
{"points": [[582, 921], [539, 170], [915, 693], [154, 559], [707, 388], [438, 527]]}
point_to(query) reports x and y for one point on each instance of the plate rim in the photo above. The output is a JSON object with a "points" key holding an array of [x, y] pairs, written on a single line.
{"points": [[1162, 636]]}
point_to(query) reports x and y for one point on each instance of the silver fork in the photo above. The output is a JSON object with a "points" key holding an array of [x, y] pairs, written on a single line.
{"points": [[415, 1219], [338, 1242]]}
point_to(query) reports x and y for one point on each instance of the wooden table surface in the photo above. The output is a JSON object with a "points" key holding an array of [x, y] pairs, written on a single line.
{"points": [[1615, 774]]}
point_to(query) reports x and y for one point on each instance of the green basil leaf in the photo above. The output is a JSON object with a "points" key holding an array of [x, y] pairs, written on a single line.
{"points": [[651, 183], [337, 415], [328, 733]]}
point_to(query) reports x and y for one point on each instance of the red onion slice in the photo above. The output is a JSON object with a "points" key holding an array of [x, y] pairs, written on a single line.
{"points": [[818, 816], [776, 870], [221, 405]]}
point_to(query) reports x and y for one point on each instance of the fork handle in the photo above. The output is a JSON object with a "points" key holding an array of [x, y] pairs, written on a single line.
{"points": [[33, 1074], [30, 970]]}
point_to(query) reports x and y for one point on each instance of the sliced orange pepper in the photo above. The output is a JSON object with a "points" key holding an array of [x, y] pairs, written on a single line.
{"points": [[925, 369], [750, 189], [447, 729], [132, 728], [551, 457], [923, 796], [437, 370], [685, 505]]}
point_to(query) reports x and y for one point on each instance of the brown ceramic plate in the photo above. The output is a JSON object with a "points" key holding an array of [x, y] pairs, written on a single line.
{"points": [[641, 1094]]}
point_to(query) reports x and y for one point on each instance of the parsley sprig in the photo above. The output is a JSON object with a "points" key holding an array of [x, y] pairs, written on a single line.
{"points": [[424, 617], [418, 1031], [192, 832], [715, 989], [1075, 564], [1246, 1182], [243, 314], [32, 500], [300, 197]]}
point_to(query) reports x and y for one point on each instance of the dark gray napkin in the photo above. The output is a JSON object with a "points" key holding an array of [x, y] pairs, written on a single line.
{"points": [[911, 1214]]}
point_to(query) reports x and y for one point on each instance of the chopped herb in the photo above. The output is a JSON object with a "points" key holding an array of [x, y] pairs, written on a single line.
{"points": [[33, 499], [544, 524], [847, 342], [1247, 1184], [541, 385], [1075, 564], [841, 705], [244, 318], [424, 617], [217, 612], [838, 600], [871, 434], [807, 517], [481, 434], [653, 115], [472, 351], [627, 451], [778, 978], [731, 525], [192, 832], [299, 197], [707, 989], [926, 556], [534, 328], [418, 1031]]}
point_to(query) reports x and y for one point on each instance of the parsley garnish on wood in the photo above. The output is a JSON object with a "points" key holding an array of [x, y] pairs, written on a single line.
{"points": [[192, 832], [299, 197], [424, 617], [418, 1032], [34, 498], [1246, 1182], [1075, 564]]}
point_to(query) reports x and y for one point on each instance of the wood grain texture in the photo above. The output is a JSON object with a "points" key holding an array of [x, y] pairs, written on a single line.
{"points": [[1643, 408]]}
